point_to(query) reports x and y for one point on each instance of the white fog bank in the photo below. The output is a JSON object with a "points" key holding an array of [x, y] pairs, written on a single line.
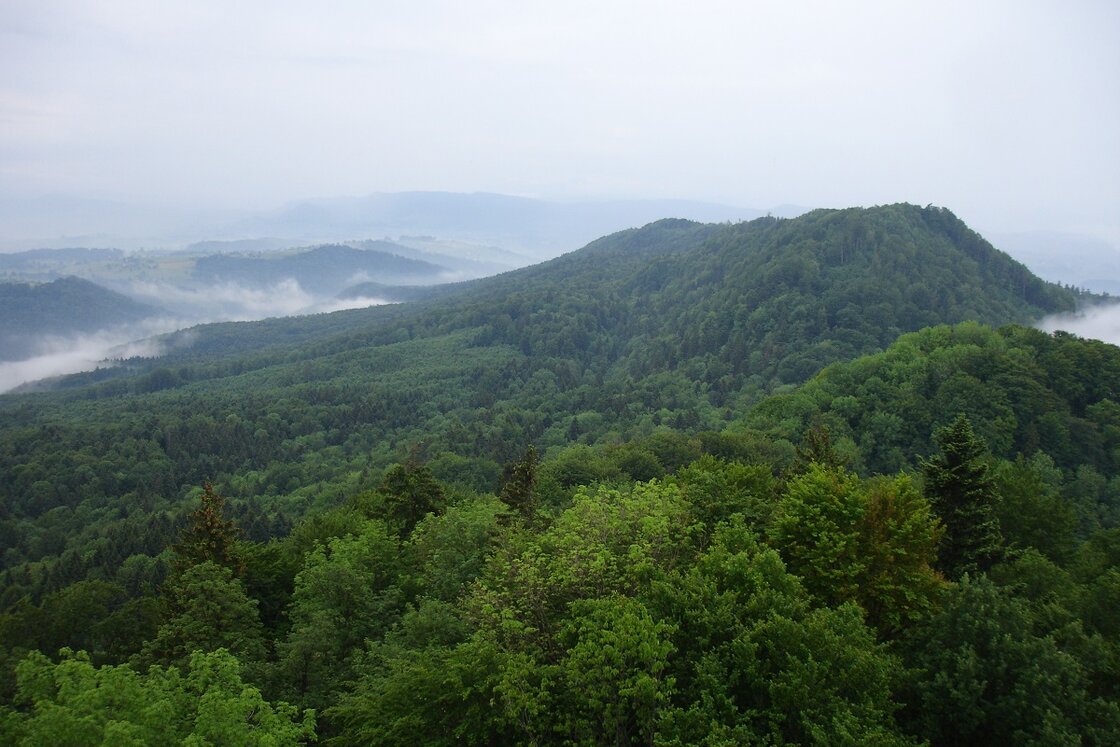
{"points": [[1098, 323], [60, 356]]}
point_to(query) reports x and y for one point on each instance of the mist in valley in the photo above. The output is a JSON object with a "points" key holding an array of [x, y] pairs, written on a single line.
{"points": [[58, 356], [54, 355], [1101, 322]]}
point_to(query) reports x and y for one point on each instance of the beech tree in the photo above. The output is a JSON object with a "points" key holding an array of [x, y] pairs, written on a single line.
{"points": [[75, 703], [871, 542], [208, 610]]}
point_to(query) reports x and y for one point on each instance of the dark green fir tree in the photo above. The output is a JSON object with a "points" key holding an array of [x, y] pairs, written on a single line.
{"points": [[209, 536], [519, 485], [961, 490]]}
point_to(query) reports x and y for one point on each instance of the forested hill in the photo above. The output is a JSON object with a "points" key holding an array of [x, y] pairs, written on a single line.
{"points": [[772, 299], [60, 308], [323, 269], [1026, 393], [675, 324], [691, 562]]}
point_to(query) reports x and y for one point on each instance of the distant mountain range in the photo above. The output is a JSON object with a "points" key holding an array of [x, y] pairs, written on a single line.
{"points": [[1074, 259], [532, 227], [538, 227]]}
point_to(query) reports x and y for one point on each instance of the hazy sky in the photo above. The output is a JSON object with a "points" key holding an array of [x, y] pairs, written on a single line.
{"points": [[1006, 112]]}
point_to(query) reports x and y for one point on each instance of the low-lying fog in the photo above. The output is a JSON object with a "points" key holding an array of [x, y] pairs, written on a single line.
{"points": [[1098, 322], [58, 356], [232, 302], [65, 355]]}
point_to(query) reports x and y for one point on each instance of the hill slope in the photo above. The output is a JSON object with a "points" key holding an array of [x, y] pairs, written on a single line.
{"points": [[324, 269], [404, 580], [676, 324], [61, 308], [771, 299], [1024, 390]]}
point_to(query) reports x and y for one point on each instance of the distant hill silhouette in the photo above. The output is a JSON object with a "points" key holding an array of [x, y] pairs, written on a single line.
{"points": [[61, 308], [323, 270]]}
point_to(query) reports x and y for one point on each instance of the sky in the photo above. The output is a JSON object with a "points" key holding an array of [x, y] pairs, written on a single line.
{"points": [[1008, 113]]}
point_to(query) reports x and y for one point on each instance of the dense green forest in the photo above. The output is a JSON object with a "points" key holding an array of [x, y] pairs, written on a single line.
{"points": [[610, 499]]}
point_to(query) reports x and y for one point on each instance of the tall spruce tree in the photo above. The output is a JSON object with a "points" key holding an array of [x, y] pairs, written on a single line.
{"points": [[962, 492], [519, 485], [209, 536]]}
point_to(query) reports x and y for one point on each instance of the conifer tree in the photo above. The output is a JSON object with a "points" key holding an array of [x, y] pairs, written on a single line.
{"points": [[816, 448], [411, 493], [209, 536], [519, 484], [962, 492]]}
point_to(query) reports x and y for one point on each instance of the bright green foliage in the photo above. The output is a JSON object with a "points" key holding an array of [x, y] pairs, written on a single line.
{"points": [[817, 529], [345, 594], [613, 672], [718, 489], [411, 493], [960, 489], [613, 627], [439, 695], [610, 542], [983, 677], [871, 542], [75, 703], [756, 665], [208, 610], [449, 550]]}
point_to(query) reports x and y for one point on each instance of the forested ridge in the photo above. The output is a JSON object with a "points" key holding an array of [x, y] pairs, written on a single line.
{"points": [[605, 500], [61, 308]]}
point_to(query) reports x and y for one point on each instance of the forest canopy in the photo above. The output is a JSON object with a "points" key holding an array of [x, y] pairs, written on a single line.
{"points": [[782, 482]]}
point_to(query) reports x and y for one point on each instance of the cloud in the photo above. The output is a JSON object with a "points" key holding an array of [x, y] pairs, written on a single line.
{"points": [[755, 104], [237, 303], [1098, 323], [341, 304], [59, 356], [229, 301]]}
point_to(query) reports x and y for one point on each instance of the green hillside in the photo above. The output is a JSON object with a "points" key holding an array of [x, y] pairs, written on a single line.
{"points": [[588, 347], [610, 499]]}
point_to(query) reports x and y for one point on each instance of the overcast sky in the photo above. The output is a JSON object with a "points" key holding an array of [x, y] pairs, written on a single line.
{"points": [[1006, 112]]}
